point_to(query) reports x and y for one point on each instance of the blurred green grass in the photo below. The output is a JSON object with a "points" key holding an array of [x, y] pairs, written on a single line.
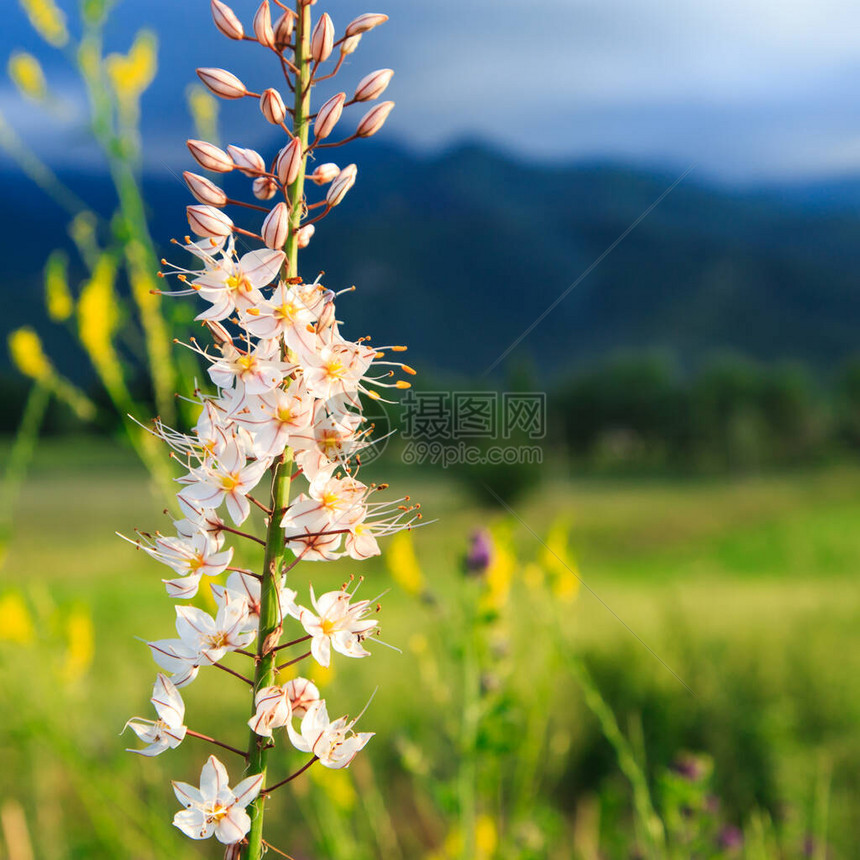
{"points": [[744, 589]]}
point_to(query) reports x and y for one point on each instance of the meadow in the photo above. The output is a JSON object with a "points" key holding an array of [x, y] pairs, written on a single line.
{"points": [[651, 668]]}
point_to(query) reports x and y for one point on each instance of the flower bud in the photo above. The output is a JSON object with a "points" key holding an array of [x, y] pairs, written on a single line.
{"points": [[325, 173], [374, 119], [348, 46], [373, 85], [322, 39], [265, 188], [222, 83], [276, 227], [272, 106], [328, 115], [288, 162], [304, 235], [226, 21], [204, 190], [209, 156], [301, 694], [284, 30], [263, 26], [345, 180], [248, 161], [365, 22], [209, 221]]}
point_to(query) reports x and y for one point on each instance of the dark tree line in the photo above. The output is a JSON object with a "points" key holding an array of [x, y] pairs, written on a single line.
{"points": [[729, 414]]}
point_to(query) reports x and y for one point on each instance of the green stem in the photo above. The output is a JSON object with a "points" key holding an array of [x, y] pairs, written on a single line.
{"points": [[646, 816], [468, 771], [270, 631], [20, 457]]}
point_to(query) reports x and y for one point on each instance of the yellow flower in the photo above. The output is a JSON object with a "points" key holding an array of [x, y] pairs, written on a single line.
{"points": [[203, 107], [500, 573], [15, 622], [486, 837], [79, 656], [58, 297], [130, 75], [337, 786], [25, 349], [403, 564], [26, 73], [98, 318], [47, 20], [558, 561]]}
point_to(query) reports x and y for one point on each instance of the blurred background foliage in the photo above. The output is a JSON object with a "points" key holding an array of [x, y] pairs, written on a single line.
{"points": [[646, 646]]}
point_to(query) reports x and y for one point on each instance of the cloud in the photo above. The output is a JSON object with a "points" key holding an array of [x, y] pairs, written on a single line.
{"points": [[741, 87]]}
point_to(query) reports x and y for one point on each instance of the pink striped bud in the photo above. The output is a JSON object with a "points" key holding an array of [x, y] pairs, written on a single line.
{"points": [[226, 21], [284, 30], [348, 46], [233, 852], [276, 227], [204, 190], [209, 221], [289, 161], [374, 119], [222, 83], [304, 235], [272, 106], [373, 85], [265, 188], [345, 180], [322, 39], [365, 22], [328, 115], [210, 156], [325, 173], [219, 333], [248, 161], [263, 29]]}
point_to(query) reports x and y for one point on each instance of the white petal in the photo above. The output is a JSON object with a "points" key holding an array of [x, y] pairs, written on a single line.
{"points": [[233, 826], [187, 794], [193, 823], [213, 778], [248, 789]]}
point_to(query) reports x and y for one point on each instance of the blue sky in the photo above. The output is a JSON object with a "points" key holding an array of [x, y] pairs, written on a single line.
{"points": [[747, 90]]}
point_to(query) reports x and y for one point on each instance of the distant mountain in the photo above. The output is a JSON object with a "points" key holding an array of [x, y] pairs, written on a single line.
{"points": [[459, 254]]}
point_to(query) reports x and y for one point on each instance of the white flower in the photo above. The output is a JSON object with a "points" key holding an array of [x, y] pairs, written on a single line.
{"points": [[229, 478], [315, 522], [334, 744], [215, 808], [235, 285], [203, 640], [259, 369], [273, 711], [168, 731], [288, 314], [243, 586], [336, 624], [178, 658], [281, 418], [214, 637], [194, 557], [302, 693]]}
